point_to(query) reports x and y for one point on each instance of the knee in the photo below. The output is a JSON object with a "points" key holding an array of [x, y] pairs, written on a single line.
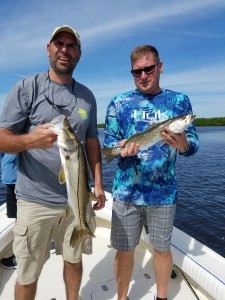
{"points": [[25, 289], [27, 286], [76, 267], [125, 254], [162, 254]]}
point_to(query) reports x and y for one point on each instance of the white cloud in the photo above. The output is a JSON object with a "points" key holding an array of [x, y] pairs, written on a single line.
{"points": [[26, 34], [28, 25], [205, 87], [204, 80]]}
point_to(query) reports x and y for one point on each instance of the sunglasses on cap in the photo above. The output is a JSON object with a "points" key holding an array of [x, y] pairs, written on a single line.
{"points": [[147, 70]]}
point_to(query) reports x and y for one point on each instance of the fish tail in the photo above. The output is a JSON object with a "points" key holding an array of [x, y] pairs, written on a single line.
{"points": [[79, 235], [110, 153], [92, 197]]}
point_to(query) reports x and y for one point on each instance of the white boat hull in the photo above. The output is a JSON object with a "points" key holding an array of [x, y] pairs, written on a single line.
{"points": [[200, 271], [204, 267]]}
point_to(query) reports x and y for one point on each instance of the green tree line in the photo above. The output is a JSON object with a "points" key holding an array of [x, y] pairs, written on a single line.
{"points": [[198, 122], [210, 122]]}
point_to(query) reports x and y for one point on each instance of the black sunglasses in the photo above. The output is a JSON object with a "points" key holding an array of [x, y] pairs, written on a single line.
{"points": [[147, 70]]}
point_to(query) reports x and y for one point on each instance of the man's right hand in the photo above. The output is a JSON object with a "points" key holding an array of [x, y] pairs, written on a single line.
{"points": [[130, 150], [41, 137]]}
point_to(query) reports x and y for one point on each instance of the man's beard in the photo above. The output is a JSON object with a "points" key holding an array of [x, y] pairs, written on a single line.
{"points": [[61, 70]]}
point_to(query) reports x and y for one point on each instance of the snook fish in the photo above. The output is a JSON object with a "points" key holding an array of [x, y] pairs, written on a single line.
{"points": [[152, 135], [74, 172]]}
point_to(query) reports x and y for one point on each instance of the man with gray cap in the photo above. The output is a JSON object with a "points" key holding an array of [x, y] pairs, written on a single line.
{"points": [[41, 201]]}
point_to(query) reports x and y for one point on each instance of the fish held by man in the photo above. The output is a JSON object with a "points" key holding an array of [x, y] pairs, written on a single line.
{"points": [[152, 135], [74, 172]]}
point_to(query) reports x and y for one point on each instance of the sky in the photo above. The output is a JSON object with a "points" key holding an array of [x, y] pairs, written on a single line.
{"points": [[189, 35]]}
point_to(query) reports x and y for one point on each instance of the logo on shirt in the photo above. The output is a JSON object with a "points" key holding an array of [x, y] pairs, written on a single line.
{"points": [[82, 113], [149, 116]]}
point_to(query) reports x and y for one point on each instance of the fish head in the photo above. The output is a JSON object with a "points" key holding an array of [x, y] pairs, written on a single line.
{"points": [[57, 124], [61, 127], [67, 149], [67, 140], [181, 123]]}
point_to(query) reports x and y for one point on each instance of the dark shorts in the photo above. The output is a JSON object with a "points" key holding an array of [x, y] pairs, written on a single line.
{"points": [[128, 220], [11, 202]]}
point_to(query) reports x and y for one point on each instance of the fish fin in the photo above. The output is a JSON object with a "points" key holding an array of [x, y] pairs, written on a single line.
{"points": [[92, 197], [62, 177], [153, 126], [81, 234], [110, 153]]}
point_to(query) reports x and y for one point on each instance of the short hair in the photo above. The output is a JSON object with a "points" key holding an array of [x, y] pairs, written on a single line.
{"points": [[142, 50]]}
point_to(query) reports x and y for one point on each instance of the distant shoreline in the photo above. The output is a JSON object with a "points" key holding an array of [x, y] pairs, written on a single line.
{"points": [[198, 122]]}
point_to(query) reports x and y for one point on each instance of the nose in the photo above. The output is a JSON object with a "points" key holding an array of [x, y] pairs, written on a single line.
{"points": [[63, 48], [143, 74]]}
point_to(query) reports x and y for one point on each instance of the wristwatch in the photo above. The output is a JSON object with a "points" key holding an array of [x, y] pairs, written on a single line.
{"points": [[185, 149]]}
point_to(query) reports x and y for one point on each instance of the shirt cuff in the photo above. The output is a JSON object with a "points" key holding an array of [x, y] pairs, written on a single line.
{"points": [[185, 149]]}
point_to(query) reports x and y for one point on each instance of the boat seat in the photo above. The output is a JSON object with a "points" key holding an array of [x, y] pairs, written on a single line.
{"points": [[6, 228]]}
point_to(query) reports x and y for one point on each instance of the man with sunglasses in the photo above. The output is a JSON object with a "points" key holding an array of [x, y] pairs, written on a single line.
{"points": [[41, 201], [145, 187]]}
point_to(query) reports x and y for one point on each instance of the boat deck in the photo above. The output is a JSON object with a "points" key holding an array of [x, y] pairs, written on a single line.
{"points": [[98, 281]]}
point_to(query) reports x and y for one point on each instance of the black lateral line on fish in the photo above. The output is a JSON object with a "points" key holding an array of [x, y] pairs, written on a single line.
{"points": [[79, 204]]}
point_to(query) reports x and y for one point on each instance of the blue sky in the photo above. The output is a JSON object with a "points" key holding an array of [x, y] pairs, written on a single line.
{"points": [[189, 34]]}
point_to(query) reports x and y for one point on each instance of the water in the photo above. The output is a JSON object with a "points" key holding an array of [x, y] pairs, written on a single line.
{"points": [[201, 179]]}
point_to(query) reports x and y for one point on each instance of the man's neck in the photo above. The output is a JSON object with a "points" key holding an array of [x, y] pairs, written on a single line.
{"points": [[60, 78]]}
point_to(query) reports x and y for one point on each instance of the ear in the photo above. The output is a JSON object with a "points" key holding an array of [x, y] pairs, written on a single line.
{"points": [[161, 67], [48, 46], [79, 56]]}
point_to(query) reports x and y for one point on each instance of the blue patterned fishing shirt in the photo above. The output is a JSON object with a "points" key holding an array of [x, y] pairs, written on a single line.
{"points": [[148, 178]]}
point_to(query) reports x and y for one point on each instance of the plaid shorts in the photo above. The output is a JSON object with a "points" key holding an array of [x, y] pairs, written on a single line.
{"points": [[128, 220]]}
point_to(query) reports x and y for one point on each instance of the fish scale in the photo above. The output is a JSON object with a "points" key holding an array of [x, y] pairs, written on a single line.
{"points": [[74, 172], [152, 135]]}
